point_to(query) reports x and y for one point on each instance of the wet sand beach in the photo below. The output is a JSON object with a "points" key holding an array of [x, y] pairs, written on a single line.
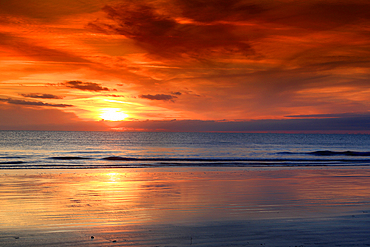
{"points": [[192, 206]]}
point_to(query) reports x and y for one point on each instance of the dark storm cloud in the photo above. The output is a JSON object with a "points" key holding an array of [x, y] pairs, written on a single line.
{"points": [[88, 86], [31, 103], [161, 34], [219, 10], [41, 96], [216, 26], [158, 97]]}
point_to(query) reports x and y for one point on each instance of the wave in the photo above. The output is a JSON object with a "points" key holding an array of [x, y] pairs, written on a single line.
{"points": [[345, 153], [284, 159], [11, 157], [118, 158], [12, 162], [156, 159], [330, 153], [211, 164], [69, 158]]}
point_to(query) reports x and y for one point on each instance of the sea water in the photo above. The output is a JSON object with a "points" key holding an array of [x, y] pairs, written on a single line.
{"points": [[66, 150], [181, 189]]}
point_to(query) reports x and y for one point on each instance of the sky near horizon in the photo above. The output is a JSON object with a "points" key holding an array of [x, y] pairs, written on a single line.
{"points": [[215, 65]]}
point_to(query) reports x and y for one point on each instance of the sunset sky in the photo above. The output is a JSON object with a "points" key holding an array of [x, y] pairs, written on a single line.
{"points": [[185, 65]]}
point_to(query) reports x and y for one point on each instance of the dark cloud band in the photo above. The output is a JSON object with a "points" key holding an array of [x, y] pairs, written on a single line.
{"points": [[158, 97], [31, 103], [41, 96], [88, 86]]}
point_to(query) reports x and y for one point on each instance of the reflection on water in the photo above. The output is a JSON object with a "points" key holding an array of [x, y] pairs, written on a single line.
{"points": [[67, 199]]}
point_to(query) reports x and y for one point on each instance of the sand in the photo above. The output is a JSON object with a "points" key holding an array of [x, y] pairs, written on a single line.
{"points": [[186, 207]]}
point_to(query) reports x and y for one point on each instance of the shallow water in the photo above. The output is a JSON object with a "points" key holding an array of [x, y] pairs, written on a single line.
{"points": [[141, 196], [147, 207]]}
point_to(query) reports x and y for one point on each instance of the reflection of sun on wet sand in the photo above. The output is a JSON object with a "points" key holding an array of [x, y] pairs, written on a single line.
{"points": [[185, 206]]}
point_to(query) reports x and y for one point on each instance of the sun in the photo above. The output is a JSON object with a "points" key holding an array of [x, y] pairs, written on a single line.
{"points": [[113, 114]]}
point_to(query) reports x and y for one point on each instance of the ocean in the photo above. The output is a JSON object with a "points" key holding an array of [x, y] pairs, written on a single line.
{"points": [[82, 150], [182, 189]]}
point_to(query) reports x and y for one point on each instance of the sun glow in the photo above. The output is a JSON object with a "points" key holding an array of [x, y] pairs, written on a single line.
{"points": [[113, 114]]}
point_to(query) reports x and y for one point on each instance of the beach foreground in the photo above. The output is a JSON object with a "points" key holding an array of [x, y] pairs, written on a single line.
{"points": [[186, 207]]}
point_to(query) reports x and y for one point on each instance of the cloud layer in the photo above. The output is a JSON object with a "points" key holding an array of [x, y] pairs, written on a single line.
{"points": [[252, 64], [356, 123]]}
